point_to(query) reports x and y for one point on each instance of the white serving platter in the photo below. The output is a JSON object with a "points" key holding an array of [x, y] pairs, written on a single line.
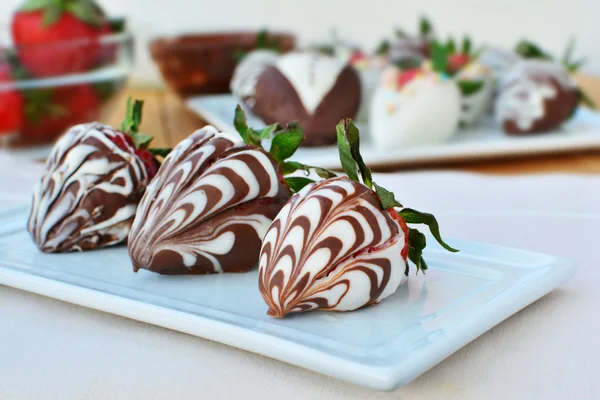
{"points": [[483, 141], [383, 347]]}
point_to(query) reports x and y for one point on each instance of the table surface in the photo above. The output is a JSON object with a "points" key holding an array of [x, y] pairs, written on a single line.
{"points": [[169, 121], [52, 350]]}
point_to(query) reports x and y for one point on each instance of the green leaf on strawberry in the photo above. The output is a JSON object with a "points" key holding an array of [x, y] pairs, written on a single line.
{"points": [[451, 45], [425, 27], [34, 5], [468, 87], [85, 10], [585, 99], [160, 152], [118, 25], [439, 57], [383, 48], [141, 141], [353, 164], [416, 217], [133, 116], [284, 143], [527, 49], [264, 41], [348, 138], [297, 183], [466, 45], [416, 244], [388, 200], [289, 167], [51, 15]]}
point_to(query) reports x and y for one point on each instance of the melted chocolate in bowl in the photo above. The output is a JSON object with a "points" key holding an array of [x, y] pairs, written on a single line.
{"points": [[204, 63]]}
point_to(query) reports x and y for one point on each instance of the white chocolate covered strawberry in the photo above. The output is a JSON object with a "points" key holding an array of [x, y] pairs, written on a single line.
{"points": [[414, 107]]}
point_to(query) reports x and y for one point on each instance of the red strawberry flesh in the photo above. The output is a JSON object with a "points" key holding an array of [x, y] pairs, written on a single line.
{"points": [[149, 161], [11, 104], [457, 61], [396, 217], [406, 76]]}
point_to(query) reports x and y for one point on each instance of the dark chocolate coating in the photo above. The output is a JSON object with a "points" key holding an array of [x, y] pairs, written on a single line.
{"points": [[556, 111], [276, 101]]}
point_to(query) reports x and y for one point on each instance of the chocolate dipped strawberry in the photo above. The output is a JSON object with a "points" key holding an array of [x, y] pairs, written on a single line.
{"points": [[414, 107], [312, 88], [339, 244], [58, 37], [213, 199], [539, 94], [474, 79], [410, 51], [245, 75], [536, 96], [94, 179]]}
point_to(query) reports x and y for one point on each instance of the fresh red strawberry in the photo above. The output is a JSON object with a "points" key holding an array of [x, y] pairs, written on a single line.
{"points": [[57, 37], [149, 161], [124, 142], [457, 61], [407, 76], [357, 56], [11, 103], [50, 113], [396, 217]]}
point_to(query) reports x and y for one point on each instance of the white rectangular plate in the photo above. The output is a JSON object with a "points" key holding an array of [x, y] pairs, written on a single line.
{"points": [[383, 347], [483, 141]]}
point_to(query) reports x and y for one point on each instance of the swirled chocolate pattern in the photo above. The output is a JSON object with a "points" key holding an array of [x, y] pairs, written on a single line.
{"points": [[332, 247], [89, 193], [208, 208]]}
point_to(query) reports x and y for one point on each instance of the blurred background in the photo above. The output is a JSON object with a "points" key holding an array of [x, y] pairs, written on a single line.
{"points": [[52, 81], [499, 22]]}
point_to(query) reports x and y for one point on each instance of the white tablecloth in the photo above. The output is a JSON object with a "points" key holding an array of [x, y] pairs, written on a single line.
{"points": [[550, 350]]}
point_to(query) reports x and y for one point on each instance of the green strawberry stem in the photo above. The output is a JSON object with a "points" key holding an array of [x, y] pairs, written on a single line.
{"points": [[439, 57], [85, 10], [468, 88], [284, 143], [131, 126], [133, 116], [264, 41], [425, 27], [354, 165]]}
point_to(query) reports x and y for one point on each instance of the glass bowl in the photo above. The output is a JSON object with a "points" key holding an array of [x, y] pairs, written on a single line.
{"points": [[44, 90]]}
